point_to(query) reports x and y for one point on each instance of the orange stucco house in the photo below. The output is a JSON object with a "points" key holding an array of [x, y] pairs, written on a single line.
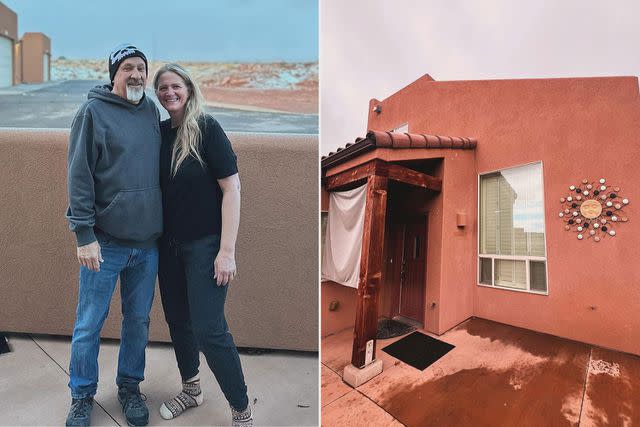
{"points": [[508, 200]]}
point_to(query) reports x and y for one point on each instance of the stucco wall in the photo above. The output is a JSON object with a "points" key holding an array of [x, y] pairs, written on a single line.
{"points": [[344, 316], [579, 128], [271, 304]]}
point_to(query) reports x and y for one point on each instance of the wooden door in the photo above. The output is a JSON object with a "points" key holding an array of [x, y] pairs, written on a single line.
{"points": [[390, 292], [413, 267]]}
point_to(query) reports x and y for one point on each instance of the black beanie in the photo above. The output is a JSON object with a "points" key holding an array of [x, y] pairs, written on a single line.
{"points": [[121, 53]]}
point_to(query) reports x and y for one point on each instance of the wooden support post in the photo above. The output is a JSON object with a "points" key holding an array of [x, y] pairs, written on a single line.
{"points": [[370, 271]]}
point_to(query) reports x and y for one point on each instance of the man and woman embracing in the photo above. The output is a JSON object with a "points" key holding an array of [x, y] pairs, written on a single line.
{"points": [[150, 198]]}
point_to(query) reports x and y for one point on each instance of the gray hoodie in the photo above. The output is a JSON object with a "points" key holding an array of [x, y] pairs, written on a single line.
{"points": [[113, 175]]}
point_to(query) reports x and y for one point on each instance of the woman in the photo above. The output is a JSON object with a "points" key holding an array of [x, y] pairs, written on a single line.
{"points": [[201, 207]]}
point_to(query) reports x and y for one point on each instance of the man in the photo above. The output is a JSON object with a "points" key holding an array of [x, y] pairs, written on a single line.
{"points": [[115, 211]]}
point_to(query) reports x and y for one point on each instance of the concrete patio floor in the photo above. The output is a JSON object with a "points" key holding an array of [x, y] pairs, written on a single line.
{"points": [[497, 375], [283, 386]]}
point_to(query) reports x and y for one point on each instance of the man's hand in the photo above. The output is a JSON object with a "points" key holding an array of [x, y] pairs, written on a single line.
{"points": [[90, 256], [224, 268]]}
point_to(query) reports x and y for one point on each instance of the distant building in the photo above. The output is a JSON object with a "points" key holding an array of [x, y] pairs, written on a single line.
{"points": [[36, 58], [9, 60], [22, 61]]}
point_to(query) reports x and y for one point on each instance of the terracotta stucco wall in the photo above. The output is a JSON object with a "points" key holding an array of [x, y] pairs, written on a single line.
{"points": [[34, 47], [579, 128], [344, 315], [272, 303]]}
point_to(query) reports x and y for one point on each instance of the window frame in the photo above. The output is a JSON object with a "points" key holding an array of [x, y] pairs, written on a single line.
{"points": [[321, 242], [525, 258], [399, 129]]}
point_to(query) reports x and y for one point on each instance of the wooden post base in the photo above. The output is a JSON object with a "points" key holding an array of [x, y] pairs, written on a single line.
{"points": [[355, 377]]}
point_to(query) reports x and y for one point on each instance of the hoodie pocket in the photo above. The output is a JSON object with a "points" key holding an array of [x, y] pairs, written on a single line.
{"points": [[133, 214]]}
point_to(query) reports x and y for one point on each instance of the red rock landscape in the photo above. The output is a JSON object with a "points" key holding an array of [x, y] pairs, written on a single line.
{"points": [[282, 86]]}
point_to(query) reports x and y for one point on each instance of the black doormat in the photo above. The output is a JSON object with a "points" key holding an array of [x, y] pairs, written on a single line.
{"points": [[389, 328], [418, 350]]}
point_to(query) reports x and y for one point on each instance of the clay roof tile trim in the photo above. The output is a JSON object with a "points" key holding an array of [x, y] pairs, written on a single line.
{"points": [[381, 139], [398, 140], [418, 140]]}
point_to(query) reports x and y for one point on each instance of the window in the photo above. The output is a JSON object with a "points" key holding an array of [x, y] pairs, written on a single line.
{"points": [[512, 242], [403, 128]]}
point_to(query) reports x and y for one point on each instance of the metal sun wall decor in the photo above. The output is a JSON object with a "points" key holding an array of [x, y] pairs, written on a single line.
{"points": [[593, 210]]}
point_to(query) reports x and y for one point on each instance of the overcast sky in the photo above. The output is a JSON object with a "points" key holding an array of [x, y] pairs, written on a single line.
{"points": [[212, 30], [373, 48]]}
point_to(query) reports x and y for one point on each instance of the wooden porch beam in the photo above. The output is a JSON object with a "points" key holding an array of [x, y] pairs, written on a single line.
{"points": [[366, 325], [359, 174], [412, 177], [356, 174]]}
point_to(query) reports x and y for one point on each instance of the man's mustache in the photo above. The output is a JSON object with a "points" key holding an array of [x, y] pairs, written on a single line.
{"points": [[134, 82]]}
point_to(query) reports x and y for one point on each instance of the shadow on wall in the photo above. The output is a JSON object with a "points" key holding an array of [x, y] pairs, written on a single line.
{"points": [[272, 304]]}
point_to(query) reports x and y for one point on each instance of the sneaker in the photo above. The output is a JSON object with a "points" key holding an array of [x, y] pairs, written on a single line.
{"points": [[80, 412], [133, 407], [242, 418]]}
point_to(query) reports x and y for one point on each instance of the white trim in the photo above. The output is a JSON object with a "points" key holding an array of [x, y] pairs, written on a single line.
{"points": [[527, 259], [513, 289], [544, 223], [397, 128], [493, 272], [509, 167], [478, 225], [513, 257]]}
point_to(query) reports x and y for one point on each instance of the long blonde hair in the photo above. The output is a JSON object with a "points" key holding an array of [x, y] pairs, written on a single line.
{"points": [[189, 134]]}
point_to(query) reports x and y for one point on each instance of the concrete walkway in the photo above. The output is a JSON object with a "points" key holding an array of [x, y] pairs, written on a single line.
{"points": [[283, 386], [497, 375]]}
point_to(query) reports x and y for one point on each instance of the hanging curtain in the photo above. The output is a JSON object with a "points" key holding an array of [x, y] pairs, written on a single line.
{"points": [[343, 239]]}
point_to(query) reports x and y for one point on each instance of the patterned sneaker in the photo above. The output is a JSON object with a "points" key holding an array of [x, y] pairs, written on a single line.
{"points": [[80, 412], [242, 418], [190, 397], [133, 407]]}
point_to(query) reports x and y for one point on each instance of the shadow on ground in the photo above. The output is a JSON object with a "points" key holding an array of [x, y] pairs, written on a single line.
{"points": [[497, 375]]}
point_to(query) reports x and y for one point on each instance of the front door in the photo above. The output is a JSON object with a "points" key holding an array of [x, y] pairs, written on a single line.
{"points": [[412, 270]]}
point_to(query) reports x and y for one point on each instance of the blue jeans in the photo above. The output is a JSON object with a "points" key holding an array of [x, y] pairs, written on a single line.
{"points": [[194, 308], [137, 269]]}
